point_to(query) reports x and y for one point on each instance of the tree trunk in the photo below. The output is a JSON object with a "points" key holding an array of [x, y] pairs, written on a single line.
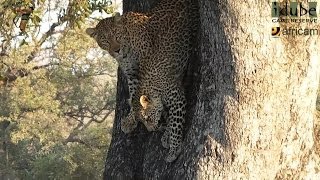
{"points": [[251, 105]]}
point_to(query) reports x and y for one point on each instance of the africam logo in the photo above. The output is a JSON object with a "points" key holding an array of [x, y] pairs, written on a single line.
{"points": [[294, 31]]}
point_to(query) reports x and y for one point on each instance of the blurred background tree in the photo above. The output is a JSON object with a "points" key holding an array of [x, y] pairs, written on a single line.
{"points": [[57, 91]]}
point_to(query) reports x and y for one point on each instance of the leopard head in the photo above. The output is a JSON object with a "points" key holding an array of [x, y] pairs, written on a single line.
{"points": [[106, 33], [151, 112]]}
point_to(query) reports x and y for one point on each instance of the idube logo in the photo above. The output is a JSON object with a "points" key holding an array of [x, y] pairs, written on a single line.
{"points": [[293, 13], [294, 9]]}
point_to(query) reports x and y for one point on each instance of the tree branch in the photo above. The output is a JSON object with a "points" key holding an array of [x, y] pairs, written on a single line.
{"points": [[72, 138], [43, 39], [13, 73]]}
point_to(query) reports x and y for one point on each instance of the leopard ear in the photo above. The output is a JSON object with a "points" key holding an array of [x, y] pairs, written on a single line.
{"points": [[90, 31], [144, 101], [117, 17]]}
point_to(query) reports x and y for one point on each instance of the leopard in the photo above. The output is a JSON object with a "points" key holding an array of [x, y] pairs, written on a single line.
{"points": [[124, 49], [153, 50]]}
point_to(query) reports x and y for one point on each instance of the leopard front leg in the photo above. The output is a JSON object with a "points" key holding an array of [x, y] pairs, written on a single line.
{"points": [[132, 86], [129, 66], [176, 120], [165, 136], [175, 138], [129, 123]]}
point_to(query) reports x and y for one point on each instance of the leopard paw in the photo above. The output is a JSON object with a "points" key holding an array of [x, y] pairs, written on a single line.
{"points": [[128, 124], [173, 154]]}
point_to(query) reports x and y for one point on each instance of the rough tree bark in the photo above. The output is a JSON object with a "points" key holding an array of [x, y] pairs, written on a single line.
{"points": [[251, 103]]}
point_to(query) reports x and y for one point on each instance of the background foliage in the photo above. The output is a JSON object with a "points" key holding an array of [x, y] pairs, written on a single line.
{"points": [[57, 92]]}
